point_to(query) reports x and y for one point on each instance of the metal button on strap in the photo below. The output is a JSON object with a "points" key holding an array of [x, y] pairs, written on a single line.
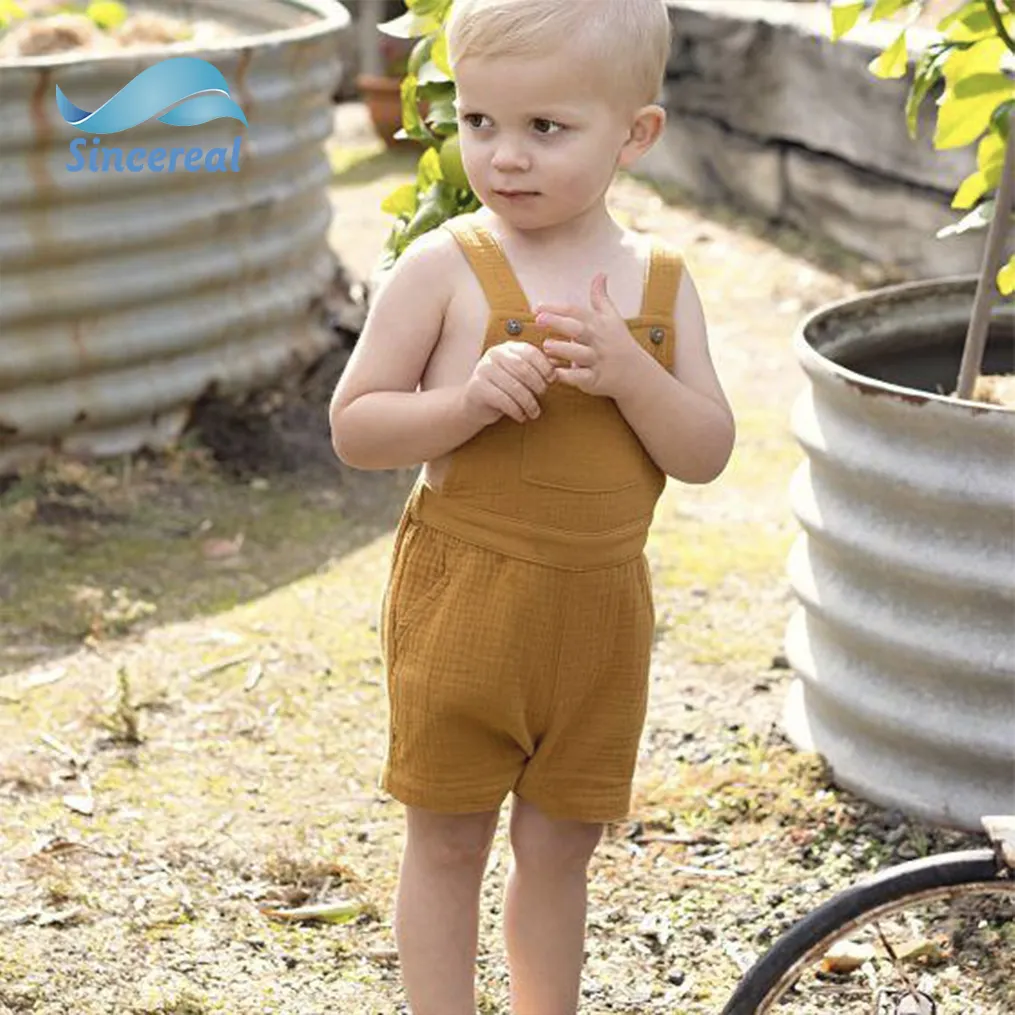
{"points": [[514, 327], [657, 335]]}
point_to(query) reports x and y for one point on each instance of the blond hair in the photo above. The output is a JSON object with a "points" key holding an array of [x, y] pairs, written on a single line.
{"points": [[627, 40]]}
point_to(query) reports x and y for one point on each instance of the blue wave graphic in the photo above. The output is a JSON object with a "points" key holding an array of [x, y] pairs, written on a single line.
{"points": [[198, 91]]}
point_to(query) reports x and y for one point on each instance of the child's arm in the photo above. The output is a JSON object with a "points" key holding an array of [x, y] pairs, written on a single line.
{"points": [[379, 420], [683, 420]]}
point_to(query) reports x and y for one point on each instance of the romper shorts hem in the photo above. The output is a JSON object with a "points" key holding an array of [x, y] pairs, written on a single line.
{"points": [[438, 799], [430, 798]]}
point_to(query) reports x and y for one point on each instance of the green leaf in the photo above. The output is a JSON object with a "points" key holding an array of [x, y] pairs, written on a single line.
{"points": [[9, 11], [977, 85], [436, 9], [106, 14], [430, 74], [436, 207], [976, 58], [1001, 118], [972, 24], [845, 15], [440, 55], [966, 109], [409, 26], [886, 8], [428, 172], [412, 122], [990, 157], [1006, 278], [402, 200], [419, 56], [950, 19], [928, 73], [894, 61], [442, 116], [978, 219], [970, 191]]}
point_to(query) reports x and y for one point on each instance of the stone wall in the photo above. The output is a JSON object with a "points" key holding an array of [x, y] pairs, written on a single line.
{"points": [[767, 113]]}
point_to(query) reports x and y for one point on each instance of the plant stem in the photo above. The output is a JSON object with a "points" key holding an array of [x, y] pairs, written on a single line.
{"points": [[995, 16], [979, 323]]}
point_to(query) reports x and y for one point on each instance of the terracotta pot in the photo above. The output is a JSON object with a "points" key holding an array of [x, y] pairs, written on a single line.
{"points": [[384, 100]]}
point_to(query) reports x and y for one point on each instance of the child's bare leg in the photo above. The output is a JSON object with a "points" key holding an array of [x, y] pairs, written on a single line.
{"points": [[544, 910], [437, 908]]}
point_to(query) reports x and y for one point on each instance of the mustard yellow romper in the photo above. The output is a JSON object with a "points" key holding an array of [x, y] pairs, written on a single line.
{"points": [[517, 620]]}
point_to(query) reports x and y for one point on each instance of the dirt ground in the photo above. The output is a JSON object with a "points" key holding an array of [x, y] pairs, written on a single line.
{"points": [[192, 714]]}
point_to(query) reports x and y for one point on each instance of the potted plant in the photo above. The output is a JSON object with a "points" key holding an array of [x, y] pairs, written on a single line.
{"points": [[382, 92], [902, 643], [441, 189]]}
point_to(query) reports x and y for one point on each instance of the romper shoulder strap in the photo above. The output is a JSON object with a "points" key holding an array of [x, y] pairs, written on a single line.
{"points": [[487, 259], [666, 267]]}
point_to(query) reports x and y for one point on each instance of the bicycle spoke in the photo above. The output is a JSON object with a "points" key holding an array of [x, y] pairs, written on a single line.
{"points": [[947, 955]]}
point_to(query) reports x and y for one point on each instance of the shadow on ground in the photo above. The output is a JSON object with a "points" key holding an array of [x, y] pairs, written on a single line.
{"points": [[253, 499]]}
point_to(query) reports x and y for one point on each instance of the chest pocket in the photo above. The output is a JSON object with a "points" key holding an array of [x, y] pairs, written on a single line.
{"points": [[581, 442]]}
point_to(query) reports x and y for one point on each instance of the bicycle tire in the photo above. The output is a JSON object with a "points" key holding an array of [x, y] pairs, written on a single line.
{"points": [[891, 890]]}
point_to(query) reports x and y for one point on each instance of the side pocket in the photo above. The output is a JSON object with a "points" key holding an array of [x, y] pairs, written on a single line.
{"points": [[395, 570], [645, 574], [424, 573]]}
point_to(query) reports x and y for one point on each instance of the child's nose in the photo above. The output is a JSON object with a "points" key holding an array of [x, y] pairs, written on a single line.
{"points": [[510, 155]]}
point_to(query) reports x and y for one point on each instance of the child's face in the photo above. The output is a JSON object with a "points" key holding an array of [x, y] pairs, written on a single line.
{"points": [[540, 126]]}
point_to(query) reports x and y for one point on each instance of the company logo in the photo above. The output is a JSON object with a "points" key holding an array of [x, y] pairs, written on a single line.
{"points": [[183, 91]]}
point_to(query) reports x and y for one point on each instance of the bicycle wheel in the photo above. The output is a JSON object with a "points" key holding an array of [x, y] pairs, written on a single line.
{"points": [[930, 937]]}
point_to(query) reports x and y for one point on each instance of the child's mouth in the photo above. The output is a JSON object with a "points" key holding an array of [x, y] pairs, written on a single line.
{"points": [[516, 194]]}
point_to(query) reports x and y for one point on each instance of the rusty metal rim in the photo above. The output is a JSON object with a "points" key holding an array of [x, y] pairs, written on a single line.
{"points": [[816, 362], [332, 16]]}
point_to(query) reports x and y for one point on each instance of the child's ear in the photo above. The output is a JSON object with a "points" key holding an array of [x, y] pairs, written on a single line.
{"points": [[647, 127]]}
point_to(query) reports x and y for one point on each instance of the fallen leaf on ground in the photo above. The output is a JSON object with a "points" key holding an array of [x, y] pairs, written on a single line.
{"points": [[58, 917], [846, 956], [328, 912], [254, 674], [82, 804], [42, 677]]}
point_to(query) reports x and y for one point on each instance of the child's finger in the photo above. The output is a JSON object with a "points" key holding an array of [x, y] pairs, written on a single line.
{"points": [[573, 352], [561, 324], [577, 377], [563, 309]]}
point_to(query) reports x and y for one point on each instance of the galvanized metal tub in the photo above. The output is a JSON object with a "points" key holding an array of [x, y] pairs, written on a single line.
{"points": [[124, 296], [903, 642]]}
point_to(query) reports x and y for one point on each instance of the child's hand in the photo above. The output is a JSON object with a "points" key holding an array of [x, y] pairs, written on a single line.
{"points": [[602, 352], [506, 382]]}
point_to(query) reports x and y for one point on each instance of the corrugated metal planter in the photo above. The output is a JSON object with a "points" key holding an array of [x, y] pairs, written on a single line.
{"points": [[903, 643], [124, 296]]}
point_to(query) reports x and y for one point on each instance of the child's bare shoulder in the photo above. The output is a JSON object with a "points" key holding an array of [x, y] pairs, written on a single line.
{"points": [[408, 305]]}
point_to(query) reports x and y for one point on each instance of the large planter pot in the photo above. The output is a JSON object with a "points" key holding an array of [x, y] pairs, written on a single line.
{"points": [[903, 643], [126, 295], [383, 98]]}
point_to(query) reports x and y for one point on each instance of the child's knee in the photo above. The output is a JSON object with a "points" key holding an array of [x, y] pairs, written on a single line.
{"points": [[451, 840], [539, 843]]}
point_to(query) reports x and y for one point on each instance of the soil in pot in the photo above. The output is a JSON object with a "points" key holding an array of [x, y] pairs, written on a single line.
{"points": [[46, 30]]}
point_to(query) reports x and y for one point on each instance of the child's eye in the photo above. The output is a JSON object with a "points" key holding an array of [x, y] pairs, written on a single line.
{"points": [[470, 119], [544, 126]]}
